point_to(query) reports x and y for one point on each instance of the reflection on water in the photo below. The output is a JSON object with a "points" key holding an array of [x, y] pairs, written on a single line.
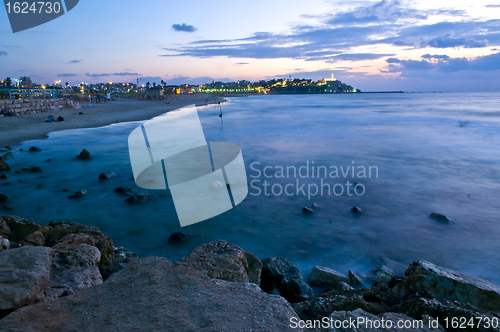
{"points": [[426, 163]]}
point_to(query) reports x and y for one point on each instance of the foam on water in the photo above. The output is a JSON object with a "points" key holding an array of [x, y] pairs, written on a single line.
{"points": [[426, 163]]}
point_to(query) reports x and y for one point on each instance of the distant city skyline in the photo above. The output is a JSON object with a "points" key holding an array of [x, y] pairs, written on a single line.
{"points": [[371, 45]]}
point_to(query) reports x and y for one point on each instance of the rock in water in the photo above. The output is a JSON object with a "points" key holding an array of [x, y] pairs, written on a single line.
{"points": [[356, 210], [106, 175], [354, 280], [225, 261], [451, 285], [24, 273], [35, 169], [282, 277], [306, 210], [124, 191], [78, 194], [326, 277], [84, 155], [4, 176], [440, 218], [151, 294], [4, 198], [3, 165], [179, 238], [138, 198], [34, 149]]}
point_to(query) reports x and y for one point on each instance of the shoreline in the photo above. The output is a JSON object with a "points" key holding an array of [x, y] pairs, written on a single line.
{"points": [[15, 130]]}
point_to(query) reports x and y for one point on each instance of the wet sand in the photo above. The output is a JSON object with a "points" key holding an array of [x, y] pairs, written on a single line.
{"points": [[14, 130]]}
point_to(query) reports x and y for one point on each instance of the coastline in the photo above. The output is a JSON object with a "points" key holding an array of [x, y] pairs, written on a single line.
{"points": [[15, 130]]}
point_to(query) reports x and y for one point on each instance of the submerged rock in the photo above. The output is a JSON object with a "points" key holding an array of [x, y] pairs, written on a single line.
{"points": [[356, 210], [84, 155], [179, 238], [282, 277], [4, 176], [4, 198], [78, 194], [35, 169], [34, 149], [24, 272], [106, 175], [138, 198], [225, 261], [124, 191], [451, 285], [306, 210], [440, 218]]}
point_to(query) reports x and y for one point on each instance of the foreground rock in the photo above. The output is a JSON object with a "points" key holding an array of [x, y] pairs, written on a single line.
{"points": [[154, 295], [24, 273], [66, 234], [225, 261], [20, 229], [73, 268], [326, 277], [3, 165], [282, 277], [451, 285], [378, 323]]}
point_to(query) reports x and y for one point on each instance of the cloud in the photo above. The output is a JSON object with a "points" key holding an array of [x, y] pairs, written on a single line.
{"points": [[435, 56], [410, 68], [357, 56], [114, 74], [66, 75], [184, 27], [3, 53], [492, 6], [242, 63], [10, 46], [449, 41], [337, 36], [75, 61]]}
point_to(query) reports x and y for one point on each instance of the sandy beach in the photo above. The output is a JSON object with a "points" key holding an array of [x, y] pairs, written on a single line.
{"points": [[14, 130]]}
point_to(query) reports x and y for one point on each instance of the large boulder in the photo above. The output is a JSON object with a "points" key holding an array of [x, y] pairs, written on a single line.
{"points": [[221, 260], [24, 273], [366, 322], [282, 277], [450, 285], [3, 165], [73, 268], [151, 294], [59, 229]]}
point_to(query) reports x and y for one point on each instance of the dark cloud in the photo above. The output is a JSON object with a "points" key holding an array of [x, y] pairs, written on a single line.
{"points": [[3, 53], [449, 41], [75, 61], [242, 63], [66, 75], [114, 74], [184, 27], [435, 56], [10, 46], [416, 67], [357, 56]]}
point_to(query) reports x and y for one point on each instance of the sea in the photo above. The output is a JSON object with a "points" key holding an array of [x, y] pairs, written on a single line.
{"points": [[398, 157]]}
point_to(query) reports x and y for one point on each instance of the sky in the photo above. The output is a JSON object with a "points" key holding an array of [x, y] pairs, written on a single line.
{"points": [[371, 45]]}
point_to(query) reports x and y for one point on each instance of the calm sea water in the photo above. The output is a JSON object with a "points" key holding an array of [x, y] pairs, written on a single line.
{"points": [[426, 163]]}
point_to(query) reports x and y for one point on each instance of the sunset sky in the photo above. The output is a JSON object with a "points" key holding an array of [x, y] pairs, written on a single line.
{"points": [[371, 45]]}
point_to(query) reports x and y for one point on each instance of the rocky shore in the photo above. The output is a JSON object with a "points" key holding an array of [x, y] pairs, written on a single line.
{"points": [[71, 277]]}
